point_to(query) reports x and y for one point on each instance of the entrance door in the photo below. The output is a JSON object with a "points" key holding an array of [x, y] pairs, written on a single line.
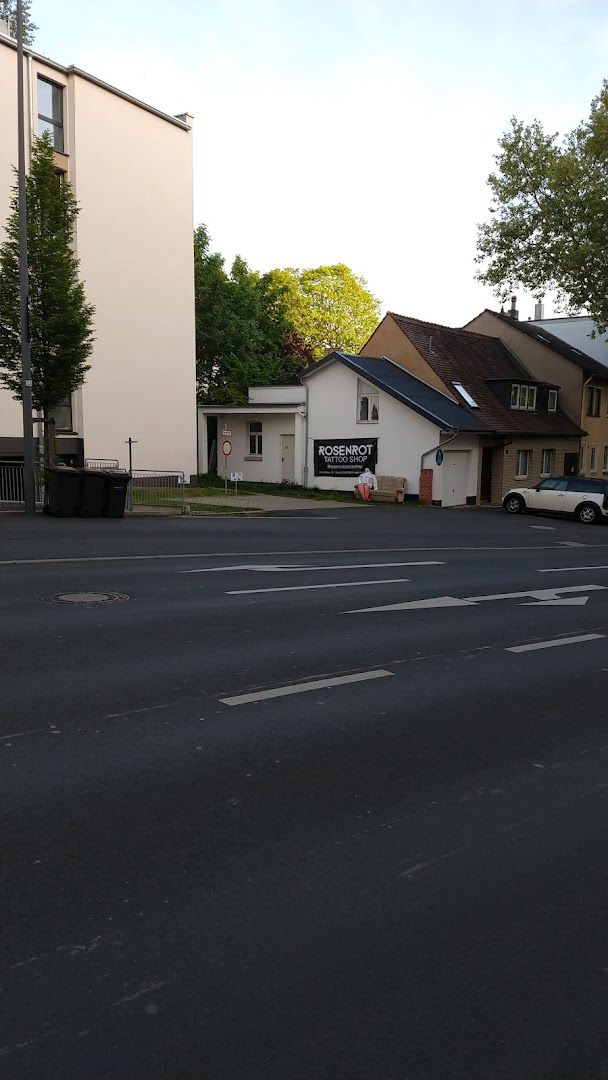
{"points": [[570, 464], [288, 458], [485, 486], [455, 467]]}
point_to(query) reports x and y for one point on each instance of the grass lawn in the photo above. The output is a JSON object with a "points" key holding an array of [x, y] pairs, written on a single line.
{"points": [[210, 484]]}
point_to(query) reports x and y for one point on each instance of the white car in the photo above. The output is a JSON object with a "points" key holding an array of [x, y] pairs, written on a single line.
{"points": [[584, 498]]}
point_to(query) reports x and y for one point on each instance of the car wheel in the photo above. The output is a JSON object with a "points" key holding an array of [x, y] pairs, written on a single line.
{"points": [[587, 513], [514, 504]]}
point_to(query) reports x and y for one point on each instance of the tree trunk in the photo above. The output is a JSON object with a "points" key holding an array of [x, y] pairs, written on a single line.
{"points": [[49, 446]]}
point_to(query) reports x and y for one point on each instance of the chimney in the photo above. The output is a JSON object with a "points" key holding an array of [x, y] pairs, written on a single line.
{"points": [[539, 310], [513, 312]]}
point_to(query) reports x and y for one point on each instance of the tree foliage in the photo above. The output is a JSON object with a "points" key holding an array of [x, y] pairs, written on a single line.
{"points": [[328, 307], [61, 331], [548, 229], [8, 11], [242, 334]]}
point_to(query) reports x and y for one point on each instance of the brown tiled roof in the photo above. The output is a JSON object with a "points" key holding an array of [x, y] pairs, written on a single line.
{"points": [[475, 360], [558, 345]]}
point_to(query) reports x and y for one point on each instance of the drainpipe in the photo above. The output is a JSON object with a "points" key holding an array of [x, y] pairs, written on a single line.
{"points": [[585, 385], [306, 441]]}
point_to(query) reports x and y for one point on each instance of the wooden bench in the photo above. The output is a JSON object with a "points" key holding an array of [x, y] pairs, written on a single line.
{"points": [[390, 489]]}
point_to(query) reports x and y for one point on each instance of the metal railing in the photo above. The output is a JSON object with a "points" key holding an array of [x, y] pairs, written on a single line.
{"points": [[101, 463], [11, 484], [157, 487]]}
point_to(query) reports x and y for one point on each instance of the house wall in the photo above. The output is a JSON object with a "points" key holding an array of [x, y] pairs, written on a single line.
{"points": [[268, 468], [388, 340], [132, 175], [506, 463], [276, 395], [576, 331], [542, 362], [402, 434]]}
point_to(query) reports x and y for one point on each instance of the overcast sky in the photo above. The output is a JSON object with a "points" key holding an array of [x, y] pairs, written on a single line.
{"points": [[357, 131]]}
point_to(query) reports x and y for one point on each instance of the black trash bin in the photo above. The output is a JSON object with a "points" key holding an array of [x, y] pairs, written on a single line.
{"points": [[64, 491], [93, 496], [116, 487]]}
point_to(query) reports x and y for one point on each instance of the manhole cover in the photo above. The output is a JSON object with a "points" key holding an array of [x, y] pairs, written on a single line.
{"points": [[86, 598]]}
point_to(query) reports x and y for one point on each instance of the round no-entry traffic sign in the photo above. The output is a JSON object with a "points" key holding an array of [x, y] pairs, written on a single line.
{"points": [[226, 448]]}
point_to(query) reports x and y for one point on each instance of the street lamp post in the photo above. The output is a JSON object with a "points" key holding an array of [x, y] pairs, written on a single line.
{"points": [[29, 489]]}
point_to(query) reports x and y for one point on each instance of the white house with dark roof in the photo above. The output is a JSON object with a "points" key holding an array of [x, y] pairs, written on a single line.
{"points": [[350, 411]]}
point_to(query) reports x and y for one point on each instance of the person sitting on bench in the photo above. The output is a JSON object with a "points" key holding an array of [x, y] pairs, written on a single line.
{"points": [[366, 482]]}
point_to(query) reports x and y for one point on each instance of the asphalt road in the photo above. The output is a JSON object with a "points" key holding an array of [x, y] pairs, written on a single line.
{"points": [[260, 823]]}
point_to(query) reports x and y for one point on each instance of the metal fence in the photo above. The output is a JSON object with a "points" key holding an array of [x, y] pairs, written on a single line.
{"points": [[11, 484], [157, 487], [101, 463]]}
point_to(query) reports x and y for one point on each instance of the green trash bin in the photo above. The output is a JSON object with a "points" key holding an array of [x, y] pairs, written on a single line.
{"points": [[116, 487], [64, 491]]}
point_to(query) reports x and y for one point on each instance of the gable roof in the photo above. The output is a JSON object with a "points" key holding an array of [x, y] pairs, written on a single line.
{"points": [[477, 360], [558, 345], [407, 389]]}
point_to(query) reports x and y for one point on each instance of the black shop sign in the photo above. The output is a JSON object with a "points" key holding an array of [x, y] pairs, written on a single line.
{"points": [[344, 457]]}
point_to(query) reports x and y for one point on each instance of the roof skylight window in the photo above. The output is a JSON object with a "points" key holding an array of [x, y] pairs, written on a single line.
{"points": [[470, 400]]}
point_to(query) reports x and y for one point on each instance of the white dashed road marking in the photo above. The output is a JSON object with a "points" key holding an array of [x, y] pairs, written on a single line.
{"points": [[305, 687], [554, 643]]}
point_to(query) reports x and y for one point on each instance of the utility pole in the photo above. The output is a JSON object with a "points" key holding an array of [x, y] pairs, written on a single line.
{"points": [[29, 488]]}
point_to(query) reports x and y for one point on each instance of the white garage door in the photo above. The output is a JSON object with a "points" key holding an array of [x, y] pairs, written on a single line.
{"points": [[455, 467]]}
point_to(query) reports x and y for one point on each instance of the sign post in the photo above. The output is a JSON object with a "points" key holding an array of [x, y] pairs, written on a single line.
{"points": [[226, 451], [235, 477]]}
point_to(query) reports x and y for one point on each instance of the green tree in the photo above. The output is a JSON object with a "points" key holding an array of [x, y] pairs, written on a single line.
{"points": [[328, 307], [242, 333], [8, 11], [548, 228], [61, 332]]}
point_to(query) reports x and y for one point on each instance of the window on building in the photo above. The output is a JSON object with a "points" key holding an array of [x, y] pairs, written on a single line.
{"points": [[594, 398], [523, 397], [583, 457], [50, 112], [593, 459], [552, 401], [523, 463], [62, 416], [464, 393], [368, 403], [547, 462], [605, 461], [254, 434]]}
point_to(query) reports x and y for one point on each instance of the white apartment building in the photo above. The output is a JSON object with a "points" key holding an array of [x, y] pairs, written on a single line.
{"points": [[130, 167]]}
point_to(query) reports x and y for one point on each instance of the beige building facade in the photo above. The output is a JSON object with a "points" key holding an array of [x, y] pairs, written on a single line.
{"points": [[130, 167], [582, 379]]}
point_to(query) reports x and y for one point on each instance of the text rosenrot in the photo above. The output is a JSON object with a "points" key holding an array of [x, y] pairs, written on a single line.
{"points": [[346, 449]]}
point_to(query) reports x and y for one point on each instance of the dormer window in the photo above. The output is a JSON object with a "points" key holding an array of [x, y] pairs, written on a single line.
{"points": [[523, 396], [464, 393], [552, 401]]}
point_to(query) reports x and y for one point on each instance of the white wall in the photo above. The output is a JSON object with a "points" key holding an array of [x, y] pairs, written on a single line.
{"points": [[277, 395], [268, 468], [402, 434], [575, 331]]}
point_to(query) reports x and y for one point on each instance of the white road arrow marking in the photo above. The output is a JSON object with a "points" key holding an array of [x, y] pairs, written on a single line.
{"points": [[567, 601], [297, 568], [545, 595]]}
